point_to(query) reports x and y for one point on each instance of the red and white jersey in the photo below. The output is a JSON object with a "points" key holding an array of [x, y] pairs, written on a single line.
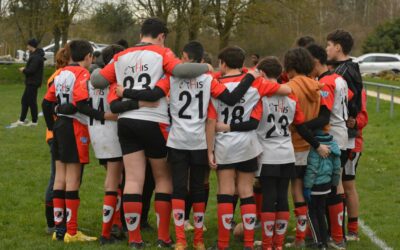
{"points": [[273, 131], [103, 134], [188, 100], [233, 147], [141, 67], [334, 95], [70, 86]]}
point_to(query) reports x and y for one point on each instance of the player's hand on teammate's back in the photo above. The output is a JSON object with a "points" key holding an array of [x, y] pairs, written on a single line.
{"points": [[323, 150], [222, 127], [211, 160], [144, 104], [119, 90], [110, 116]]}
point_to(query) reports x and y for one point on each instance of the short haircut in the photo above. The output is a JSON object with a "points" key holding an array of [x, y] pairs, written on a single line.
{"points": [[299, 60], [232, 56], [194, 50], [123, 43], [304, 41], [153, 27], [96, 53], [62, 57], [79, 49], [256, 55], [109, 52], [271, 66], [318, 52], [343, 38]]}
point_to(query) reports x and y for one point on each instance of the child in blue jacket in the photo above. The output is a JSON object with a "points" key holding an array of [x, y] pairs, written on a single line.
{"points": [[321, 177]]}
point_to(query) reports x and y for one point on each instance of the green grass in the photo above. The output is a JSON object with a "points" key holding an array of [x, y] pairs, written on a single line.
{"points": [[9, 74], [25, 170], [383, 81]]}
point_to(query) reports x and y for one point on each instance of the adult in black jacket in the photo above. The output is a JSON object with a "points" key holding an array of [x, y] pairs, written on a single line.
{"points": [[33, 72]]}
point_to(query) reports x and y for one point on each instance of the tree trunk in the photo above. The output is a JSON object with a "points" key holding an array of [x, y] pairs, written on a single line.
{"points": [[194, 20], [57, 38]]}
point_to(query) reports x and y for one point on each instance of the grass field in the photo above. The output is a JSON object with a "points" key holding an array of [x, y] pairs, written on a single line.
{"points": [[25, 169]]}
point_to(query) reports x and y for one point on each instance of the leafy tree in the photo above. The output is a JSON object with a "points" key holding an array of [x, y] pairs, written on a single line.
{"points": [[385, 38], [113, 20]]}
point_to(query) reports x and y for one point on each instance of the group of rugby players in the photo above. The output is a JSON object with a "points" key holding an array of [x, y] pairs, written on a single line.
{"points": [[261, 129]]}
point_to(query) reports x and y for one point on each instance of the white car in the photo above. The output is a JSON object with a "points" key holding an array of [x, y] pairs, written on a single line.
{"points": [[374, 63], [49, 51]]}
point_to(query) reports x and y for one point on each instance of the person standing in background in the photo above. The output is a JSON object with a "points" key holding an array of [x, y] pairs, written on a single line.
{"points": [[33, 72]]}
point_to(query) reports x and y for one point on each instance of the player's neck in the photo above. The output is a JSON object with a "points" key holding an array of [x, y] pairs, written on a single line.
{"points": [[321, 69], [232, 72], [342, 57], [150, 40]]}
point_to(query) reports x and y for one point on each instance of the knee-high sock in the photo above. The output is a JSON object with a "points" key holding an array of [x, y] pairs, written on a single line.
{"points": [[132, 204], [300, 212], [249, 217], [162, 205], [335, 208], [109, 208], [281, 224], [225, 216], [72, 202], [268, 227], [178, 211]]}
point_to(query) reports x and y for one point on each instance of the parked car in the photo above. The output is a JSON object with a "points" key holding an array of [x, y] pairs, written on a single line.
{"points": [[374, 63], [49, 51]]}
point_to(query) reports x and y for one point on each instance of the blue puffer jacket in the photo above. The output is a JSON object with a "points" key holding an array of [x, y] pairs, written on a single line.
{"points": [[323, 172]]}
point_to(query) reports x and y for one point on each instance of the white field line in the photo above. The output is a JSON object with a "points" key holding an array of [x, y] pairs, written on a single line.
{"points": [[372, 236]]}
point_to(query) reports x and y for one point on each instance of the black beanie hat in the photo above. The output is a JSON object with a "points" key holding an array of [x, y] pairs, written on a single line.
{"points": [[33, 42]]}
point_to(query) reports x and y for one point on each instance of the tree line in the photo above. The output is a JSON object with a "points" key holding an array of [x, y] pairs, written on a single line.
{"points": [[259, 26]]}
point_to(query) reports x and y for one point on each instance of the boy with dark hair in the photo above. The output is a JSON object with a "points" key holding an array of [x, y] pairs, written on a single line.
{"points": [[276, 162], [71, 137], [339, 45], [236, 147], [298, 65], [189, 100], [143, 132], [255, 58], [332, 118], [304, 41]]}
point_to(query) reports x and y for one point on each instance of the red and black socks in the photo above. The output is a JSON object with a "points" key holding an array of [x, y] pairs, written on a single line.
{"points": [[199, 208], [249, 217], [300, 212], [178, 212], [132, 204], [109, 207], [225, 216], [268, 228], [281, 225], [162, 205], [72, 202], [335, 214], [352, 225]]}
